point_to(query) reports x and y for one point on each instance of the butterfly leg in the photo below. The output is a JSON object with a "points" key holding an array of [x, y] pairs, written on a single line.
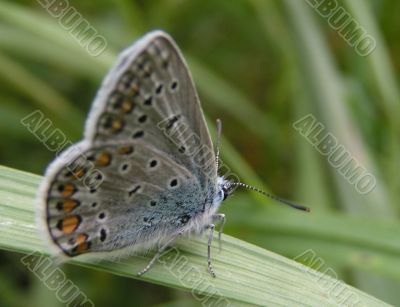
{"points": [[210, 238], [220, 217], [158, 254]]}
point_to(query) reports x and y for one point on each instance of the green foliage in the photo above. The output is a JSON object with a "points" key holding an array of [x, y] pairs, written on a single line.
{"points": [[259, 66]]}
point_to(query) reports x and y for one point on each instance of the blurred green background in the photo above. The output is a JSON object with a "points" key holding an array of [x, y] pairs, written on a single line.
{"points": [[259, 66]]}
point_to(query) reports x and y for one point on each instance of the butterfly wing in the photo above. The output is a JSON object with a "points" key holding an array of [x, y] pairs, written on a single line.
{"points": [[149, 94], [111, 196], [133, 178]]}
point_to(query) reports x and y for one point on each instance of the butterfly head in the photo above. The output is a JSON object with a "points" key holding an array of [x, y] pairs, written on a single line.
{"points": [[224, 189]]}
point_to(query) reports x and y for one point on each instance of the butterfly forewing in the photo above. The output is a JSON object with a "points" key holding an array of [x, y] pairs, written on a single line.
{"points": [[149, 94]]}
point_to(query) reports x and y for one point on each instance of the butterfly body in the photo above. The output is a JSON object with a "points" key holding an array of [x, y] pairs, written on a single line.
{"points": [[145, 171]]}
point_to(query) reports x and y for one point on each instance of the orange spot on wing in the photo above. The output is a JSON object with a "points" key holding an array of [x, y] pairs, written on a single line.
{"points": [[134, 89], [79, 173], [127, 106], [103, 159], [81, 248], [69, 204], [117, 125], [69, 224], [125, 150], [67, 189], [82, 237]]}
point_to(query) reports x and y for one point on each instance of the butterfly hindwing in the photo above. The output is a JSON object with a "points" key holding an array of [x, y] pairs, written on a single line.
{"points": [[108, 197]]}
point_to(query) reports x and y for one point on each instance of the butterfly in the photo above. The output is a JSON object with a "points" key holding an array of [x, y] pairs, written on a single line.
{"points": [[146, 171]]}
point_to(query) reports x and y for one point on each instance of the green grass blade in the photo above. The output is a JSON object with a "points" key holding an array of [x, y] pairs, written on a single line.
{"points": [[246, 274], [40, 93], [326, 86]]}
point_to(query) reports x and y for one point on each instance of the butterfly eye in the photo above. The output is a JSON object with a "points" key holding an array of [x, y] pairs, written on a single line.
{"points": [[227, 189]]}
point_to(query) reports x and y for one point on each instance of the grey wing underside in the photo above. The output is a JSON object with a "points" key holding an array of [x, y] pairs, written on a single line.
{"points": [[113, 196], [151, 82]]}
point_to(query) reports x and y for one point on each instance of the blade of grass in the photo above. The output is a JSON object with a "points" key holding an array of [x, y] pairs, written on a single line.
{"points": [[246, 274], [337, 231], [44, 26], [379, 62], [16, 41], [45, 97], [382, 78], [325, 84], [311, 181]]}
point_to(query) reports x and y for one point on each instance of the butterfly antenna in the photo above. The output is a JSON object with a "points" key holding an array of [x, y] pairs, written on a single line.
{"points": [[281, 200], [219, 133]]}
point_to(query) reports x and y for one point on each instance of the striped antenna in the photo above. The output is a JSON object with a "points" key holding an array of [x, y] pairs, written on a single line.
{"points": [[281, 200]]}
